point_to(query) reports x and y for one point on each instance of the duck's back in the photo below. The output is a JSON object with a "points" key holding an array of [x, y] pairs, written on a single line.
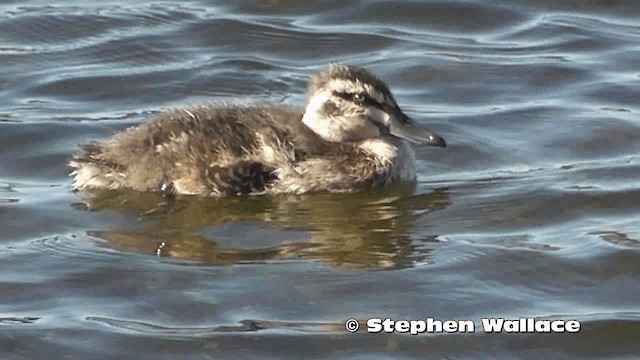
{"points": [[205, 150]]}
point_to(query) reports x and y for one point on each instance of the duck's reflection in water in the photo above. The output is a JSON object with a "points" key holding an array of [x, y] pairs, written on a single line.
{"points": [[368, 230]]}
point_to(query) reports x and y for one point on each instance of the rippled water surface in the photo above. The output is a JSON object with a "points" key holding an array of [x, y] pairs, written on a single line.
{"points": [[531, 211]]}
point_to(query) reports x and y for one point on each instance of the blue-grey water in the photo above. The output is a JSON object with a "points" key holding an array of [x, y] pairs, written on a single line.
{"points": [[531, 211]]}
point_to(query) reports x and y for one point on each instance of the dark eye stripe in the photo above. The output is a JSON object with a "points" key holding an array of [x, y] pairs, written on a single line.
{"points": [[364, 100]]}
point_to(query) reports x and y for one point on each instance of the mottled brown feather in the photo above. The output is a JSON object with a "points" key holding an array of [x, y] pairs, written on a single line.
{"points": [[220, 151]]}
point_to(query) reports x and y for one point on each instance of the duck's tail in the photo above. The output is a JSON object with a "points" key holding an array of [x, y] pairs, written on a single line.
{"points": [[90, 171]]}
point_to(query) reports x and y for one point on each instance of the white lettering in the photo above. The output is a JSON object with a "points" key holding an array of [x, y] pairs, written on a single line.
{"points": [[418, 326], [373, 325], [572, 326], [492, 324], [402, 326]]}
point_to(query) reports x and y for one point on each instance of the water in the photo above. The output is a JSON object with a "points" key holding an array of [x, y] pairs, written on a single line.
{"points": [[532, 210]]}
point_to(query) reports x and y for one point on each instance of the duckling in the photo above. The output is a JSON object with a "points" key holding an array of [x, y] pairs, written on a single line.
{"points": [[352, 136]]}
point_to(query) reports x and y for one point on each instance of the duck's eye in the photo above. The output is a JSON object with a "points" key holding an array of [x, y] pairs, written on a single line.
{"points": [[358, 98]]}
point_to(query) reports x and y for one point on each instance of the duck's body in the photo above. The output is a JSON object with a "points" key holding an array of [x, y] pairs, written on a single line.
{"points": [[260, 149]]}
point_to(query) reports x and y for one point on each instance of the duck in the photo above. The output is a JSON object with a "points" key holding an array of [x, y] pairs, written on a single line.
{"points": [[352, 136]]}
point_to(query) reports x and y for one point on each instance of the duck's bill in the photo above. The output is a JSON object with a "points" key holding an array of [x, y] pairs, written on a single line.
{"points": [[416, 133]]}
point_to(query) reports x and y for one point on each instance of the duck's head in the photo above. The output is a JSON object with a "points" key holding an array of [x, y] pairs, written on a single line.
{"points": [[348, 103]]}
